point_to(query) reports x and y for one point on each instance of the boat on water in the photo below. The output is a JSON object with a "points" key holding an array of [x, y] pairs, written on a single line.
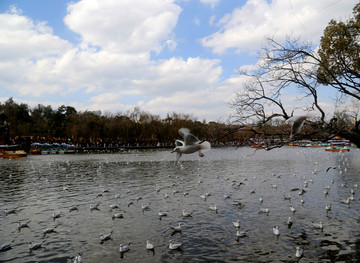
{"points": [[11, 151], [258, 146], [307, 143], [55, 148], [334, 148]]}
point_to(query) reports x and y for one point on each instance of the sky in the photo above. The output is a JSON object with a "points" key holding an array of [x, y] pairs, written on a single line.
{"points": [[163, 56]]}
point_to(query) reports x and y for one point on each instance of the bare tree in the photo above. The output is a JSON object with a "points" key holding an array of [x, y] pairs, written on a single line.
{"points": [[295, 65], [292, 65]]}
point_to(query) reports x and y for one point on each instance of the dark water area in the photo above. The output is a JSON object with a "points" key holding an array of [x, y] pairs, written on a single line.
{"points": [[38, 186]]}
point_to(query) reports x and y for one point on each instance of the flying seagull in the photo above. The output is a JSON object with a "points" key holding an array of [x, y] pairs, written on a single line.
{"points": [[190, 144], [297, 123]]}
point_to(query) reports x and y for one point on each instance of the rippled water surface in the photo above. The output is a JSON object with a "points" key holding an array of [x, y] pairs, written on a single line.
{"points": [[37, 186]]}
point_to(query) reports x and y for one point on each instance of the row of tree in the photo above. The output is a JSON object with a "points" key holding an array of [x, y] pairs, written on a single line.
{"points": [[135, 126]]}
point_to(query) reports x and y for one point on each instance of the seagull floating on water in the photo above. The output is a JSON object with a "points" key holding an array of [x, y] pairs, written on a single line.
{"points": [[124, 248], [227, 196], [23, 225], [73, 208], [113, 206], [177, 228], [346, 201], [117, 215], [236, 223], [352, 198], [264, 210], [191, 144], [8, 211], [56, 215], [94, 206], [104, 237], [145, 207], [49, 230], [174, 246], [162, 213], [241, 233], [149, 246], [318, 225], [77, 259], [302, 191], [299, 252], [276, 231], [186, 214], [328, 208], [289, 222], [213, 208], [33, 246], [6, 246], [287, 197], [292, 209]]}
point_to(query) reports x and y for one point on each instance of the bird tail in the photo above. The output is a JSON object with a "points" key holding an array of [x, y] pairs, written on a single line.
{"points": [[205, 146]]}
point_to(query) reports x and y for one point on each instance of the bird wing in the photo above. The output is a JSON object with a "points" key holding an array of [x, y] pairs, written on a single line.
{"points": [[297, 123], [179, 143], [189, 138], [183, 132], [296, 118]]}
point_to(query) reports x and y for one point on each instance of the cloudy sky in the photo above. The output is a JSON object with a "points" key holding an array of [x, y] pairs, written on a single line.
{"points": [[161, 55]]}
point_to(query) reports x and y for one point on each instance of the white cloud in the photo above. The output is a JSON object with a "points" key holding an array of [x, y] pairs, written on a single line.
{"points": [[102, 67], [171, 44], [123, 26], [244, 29], [15, 10], [212, 3], [212, 20], [196, 21], [21, 38], [114, 59]]}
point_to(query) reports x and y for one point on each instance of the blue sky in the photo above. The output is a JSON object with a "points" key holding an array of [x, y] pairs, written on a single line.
{"points": [[164, 56]]}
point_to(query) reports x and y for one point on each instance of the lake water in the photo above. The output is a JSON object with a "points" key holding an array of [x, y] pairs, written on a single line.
{"points": [[40, 185]]}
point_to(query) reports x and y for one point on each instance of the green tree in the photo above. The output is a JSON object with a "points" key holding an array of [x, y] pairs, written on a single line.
{"points": [[18, 117], [41, 115], [339, 53]]}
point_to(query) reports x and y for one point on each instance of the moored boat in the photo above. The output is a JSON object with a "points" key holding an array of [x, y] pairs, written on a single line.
{"points": [[334, 148], [258, 146], [11, 151]]}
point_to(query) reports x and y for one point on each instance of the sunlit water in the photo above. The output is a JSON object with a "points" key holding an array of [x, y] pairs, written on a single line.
{"points": [[41, 185]]}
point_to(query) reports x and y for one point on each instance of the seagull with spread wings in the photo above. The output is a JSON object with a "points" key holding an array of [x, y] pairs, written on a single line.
{"points": [[191, 144], [297, 124]]}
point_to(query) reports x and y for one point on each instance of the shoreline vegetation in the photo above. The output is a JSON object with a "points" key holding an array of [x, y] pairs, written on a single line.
{"points": [[65, 127], [20, 124]]}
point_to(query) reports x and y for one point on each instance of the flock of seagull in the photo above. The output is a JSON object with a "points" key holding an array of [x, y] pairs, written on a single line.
{"points": [[189, 140]]}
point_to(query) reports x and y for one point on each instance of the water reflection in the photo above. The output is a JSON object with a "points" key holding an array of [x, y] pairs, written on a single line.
{"points": [[41, 186]]}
